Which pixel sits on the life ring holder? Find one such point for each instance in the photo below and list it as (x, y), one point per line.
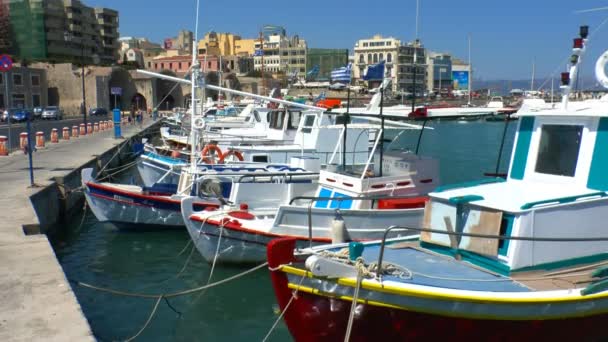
(199, 122)
(600, 70)
(235, 153)
(207, 157)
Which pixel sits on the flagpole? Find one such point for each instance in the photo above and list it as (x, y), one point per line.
(381, 127)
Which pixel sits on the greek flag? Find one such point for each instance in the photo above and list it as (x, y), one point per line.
(375, 72)
(313, 72)
(342, 74)
(258, 53)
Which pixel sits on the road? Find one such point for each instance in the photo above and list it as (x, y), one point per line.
(44, 126)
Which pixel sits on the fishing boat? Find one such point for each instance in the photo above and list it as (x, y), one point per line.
(133, 206)
(518, 259)
(350, 202)
(296, 133)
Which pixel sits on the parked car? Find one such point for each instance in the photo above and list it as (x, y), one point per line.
(98, 112)
(52, 112)
(7, 112)
(37, 112)
(21, 115)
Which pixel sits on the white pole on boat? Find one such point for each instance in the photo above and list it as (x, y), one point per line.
(417, 15)
(194, 76)
(470, 71)
(233, 91)
(533, 74)
(552, 79)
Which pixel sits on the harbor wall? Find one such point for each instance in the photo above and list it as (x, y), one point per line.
(55, 203)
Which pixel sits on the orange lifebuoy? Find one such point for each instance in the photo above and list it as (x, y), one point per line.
(235, 153)
(207, 157)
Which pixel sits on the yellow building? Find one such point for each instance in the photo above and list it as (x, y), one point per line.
(245, 47)
(225, 44)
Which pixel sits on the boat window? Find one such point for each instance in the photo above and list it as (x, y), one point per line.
(558, 149)
(294, 120)
(256, 114)
(276, 119)
(309, 121)
(260, 158)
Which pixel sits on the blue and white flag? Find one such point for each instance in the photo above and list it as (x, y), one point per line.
(258, 53)
(320, 97)
(375, 72)
(342, 74)
(313, 72)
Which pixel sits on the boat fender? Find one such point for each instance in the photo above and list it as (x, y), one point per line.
(323, 267)
(600, 69)
(339, 233)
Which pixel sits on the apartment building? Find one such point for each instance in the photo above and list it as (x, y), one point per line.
(63, 30)
(279, 53)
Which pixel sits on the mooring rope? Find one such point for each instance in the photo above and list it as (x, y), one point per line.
(147, 321)
(361, 271)
(294, 295)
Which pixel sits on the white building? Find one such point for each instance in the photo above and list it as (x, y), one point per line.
(373, 50)
(281, 54)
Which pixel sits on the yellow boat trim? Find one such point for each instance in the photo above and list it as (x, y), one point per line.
(424, 293)
(448, 313)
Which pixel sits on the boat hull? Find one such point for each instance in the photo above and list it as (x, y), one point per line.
(132, 210)
(240, 244)
(319, 312)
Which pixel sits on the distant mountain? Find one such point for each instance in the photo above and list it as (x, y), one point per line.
(503, 87)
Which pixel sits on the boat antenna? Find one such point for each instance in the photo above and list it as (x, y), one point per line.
(578, 50)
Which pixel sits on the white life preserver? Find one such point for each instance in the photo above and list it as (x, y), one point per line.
(600, 70)
(199, 123)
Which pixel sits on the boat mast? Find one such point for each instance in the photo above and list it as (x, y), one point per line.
(533, 74)
(194, 76)
(470, 71)
(415, 58)
(262, 67)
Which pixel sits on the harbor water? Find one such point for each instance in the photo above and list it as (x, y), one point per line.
(157, 262)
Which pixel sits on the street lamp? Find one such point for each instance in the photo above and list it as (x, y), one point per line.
(68, 38)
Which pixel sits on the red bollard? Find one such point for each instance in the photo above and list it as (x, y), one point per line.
(83, 129)
(89, 128)
(23, 141)
(75, 131)
(39, 139)
(54, 136)
(3, 145)
(102, 126)
(66, 133)
(96, 127)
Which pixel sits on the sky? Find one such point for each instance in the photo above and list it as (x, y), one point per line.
(507, 37)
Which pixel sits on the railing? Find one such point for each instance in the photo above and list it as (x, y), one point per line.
(272, 176)
(313, 199)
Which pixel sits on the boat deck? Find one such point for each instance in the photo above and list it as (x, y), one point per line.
(432, 269)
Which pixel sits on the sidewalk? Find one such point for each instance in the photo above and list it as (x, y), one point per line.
(36, 300)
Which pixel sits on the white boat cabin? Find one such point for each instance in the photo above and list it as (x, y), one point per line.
(556, 188)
